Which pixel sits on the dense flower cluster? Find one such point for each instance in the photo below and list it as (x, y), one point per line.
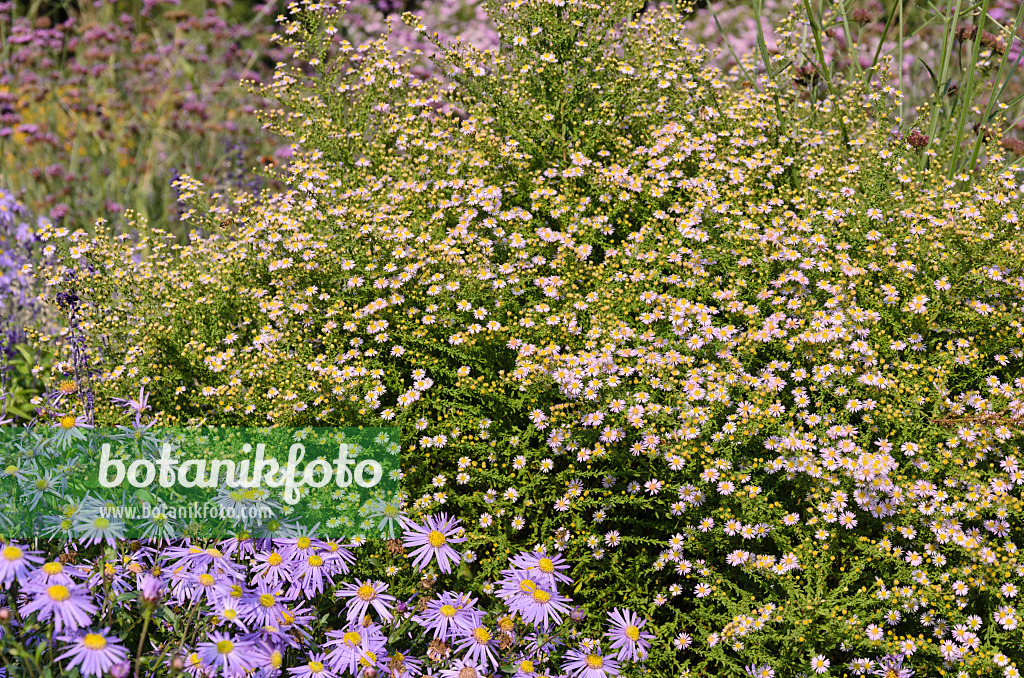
(257, 607)
(743, 362)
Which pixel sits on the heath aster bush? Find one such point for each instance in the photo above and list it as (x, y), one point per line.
(737, 371)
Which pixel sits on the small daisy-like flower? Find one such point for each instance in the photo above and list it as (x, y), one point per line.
(432, 541)
(362, 595)
(627, 635)
(820, 664)
(589, 664)
(231, 654)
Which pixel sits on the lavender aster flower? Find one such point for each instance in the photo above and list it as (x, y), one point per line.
(362, 594)
(479, 645)
(589, 664)
(449, 615)
(313, 668)
(15, 563)
(69, 607)
(233, 655)
(626, 635)
(94, 653)
(891, 666)
(432, 541)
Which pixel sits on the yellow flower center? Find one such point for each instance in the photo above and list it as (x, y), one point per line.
(633, 633)
(303, 543)
(58, 593)
(101, 523)
(94, 641)
(52, 568)
(67, 422)
(447, 611)
(595, 661)
(225, 647)
(315, 561)
(436, 539)
(526, 666)
(276, 659)
(366, 592)
(315, 667)
(352, 638)
(274, 559)
(481, 634)
(206, 579)
(11, 469)
(230, 613)
(369, 660)
(267, 600)
(546, 565)
(527, 586)
(541, 596)
(12, 553)
(67, 387)
(214, 553)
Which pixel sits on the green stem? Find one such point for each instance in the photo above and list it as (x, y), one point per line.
(142, 639)
(947, 51)
(968, 93)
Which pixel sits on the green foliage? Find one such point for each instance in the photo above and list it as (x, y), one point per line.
(23, 382)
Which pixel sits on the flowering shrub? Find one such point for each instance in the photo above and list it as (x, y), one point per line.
(742, 364)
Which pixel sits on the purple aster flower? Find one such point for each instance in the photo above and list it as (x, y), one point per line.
(891, 666)
(449, 615)
(15, 564)
(537, 605)
(589, 664)
(230, 610)
(68, 606)
(525, 668)
(626, 635)
(541, 608)
(264, 607)
(309, 572)
(354, 647)
(546, 570)
(763, 671)
(94, 653)
(313, 668)
(479, 646)
(195, 559)
(208, 586)
(55, 572)
(233, 655)
(362, 595)
(336, 555)
(465, 668)
(432, 541)
(273, 569)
